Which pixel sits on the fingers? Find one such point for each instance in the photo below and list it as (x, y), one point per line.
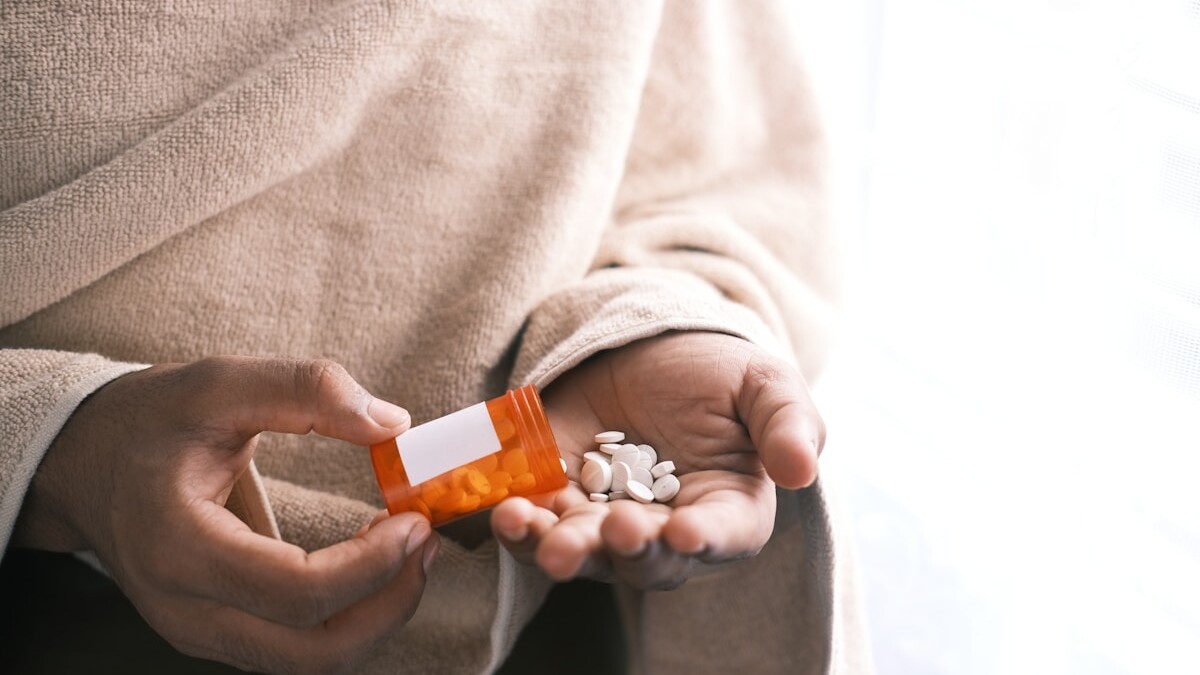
(723, 525)
(283, 584)
(632, 527)
(564, 546)
(597, 541)
(633, 535)
(519, 526)
(782, 421)
(648, 546)
(573, 546)
(331, 646)
(295, 396)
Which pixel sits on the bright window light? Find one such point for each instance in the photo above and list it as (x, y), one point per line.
(1014, 409)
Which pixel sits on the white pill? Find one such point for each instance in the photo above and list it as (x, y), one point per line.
(620, 476)
(644, 461)
(618, 494)
(665, 488)
(563, 463)
(642, 476)
(640, 492)
(596, 457)
(610, 436)
(650, 452)
(628, 454)
(609, 448)
(598, 497)
(596, 476)
(662, 469)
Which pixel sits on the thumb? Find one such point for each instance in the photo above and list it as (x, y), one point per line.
(782, 421)
(299, 396)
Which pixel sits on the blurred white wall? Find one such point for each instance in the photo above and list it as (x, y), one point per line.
(1014, 410)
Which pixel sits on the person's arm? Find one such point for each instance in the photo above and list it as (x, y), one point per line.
(718, 230)
(140, 473)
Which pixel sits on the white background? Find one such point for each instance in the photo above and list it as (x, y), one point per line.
(1014, 408)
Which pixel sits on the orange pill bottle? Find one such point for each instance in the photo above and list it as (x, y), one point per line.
(469, 460)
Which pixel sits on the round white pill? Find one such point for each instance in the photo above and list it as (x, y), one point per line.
(598, 497)
(649, 451)
(596, 476)
(610, 437)
(642, 476)
(620, 476)
(596, 457)
(644, 461)
(640, 492)
(609, 448)
(628, 454)
(665, 488)
(662, 468)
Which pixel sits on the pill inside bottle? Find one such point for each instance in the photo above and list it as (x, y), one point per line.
(471, 459)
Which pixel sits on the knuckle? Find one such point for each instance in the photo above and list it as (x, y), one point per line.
(320, 377)
(762, 373)
(208, 371)
(323, 372)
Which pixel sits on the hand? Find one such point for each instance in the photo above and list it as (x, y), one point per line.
(735, 421)
(140, 474)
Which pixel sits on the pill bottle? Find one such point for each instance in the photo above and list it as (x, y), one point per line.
(469, 460)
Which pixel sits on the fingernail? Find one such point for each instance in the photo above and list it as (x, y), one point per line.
(417, 536)
(431, 550)
(387, 414)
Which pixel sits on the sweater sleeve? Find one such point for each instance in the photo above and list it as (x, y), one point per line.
(39, 389)
(719, 222)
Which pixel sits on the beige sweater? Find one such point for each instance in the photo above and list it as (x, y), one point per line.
(448, 198)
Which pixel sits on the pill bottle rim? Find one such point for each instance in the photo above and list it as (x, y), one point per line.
(533, 425)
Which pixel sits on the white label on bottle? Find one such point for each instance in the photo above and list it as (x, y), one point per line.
(446, 443)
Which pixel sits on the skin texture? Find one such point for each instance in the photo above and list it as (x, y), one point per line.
(140, 475)
(735, 420)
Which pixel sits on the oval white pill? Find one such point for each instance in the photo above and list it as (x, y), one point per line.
(649, 451)
(662, 468)
(596, 476)
(620, 476)
(640, 492)
(596, 457)
(628, 454)
(598, 497)
(610, 437)
(665, 488)
(609, 448)
(642, 476)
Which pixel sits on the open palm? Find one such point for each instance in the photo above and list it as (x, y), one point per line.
(735, 421)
